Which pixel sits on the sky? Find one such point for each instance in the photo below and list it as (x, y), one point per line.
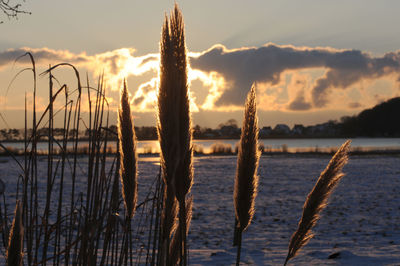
(312, 60)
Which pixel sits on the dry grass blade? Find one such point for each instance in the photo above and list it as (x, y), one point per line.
(174, 125)
(317, 200)
(127, 139)
(246, 181)
(15, 243)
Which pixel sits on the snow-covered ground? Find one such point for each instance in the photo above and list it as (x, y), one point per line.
(362, 221)
(360, 226)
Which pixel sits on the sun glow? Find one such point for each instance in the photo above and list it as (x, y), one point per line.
(145, 98)
(215, 83)
(120, 64)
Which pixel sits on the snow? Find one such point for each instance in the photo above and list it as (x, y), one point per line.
(360, 226)
(361, 222)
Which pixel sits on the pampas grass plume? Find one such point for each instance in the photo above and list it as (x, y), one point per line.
(174, 121)
(317, 200)
(174, 128)
(128, 155)
(246, 181)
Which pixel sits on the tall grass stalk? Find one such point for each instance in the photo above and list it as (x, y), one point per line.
(175, 247)
(128, 159)
(246, 181)
(66, 223)
(174, 131)
(127, 139)
(317, 200)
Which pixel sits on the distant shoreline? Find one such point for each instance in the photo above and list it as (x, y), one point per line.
(225, 138)
(327, 152)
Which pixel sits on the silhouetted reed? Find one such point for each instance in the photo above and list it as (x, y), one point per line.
(174, 129)
(246, 181)
(317, 200)
(63, 223)
(128, 155)
(221, 148)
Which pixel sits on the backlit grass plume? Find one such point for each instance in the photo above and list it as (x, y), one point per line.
(246, 181)
(174, 122)
(15, 242)
(127, 146)
(317, 200)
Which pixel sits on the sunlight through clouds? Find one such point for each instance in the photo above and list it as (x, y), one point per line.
(213, 81)
(145, 98)
(120, 64)
(289, 78)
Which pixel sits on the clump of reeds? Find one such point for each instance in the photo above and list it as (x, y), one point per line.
(80, 213)
(317, 200)
(174, 130)
(246, 181)
(221, 148)
(16, 240)
(128, 155)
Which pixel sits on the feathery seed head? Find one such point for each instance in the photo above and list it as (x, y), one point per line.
(317, 200)
(174, 121)
(128, 155)
(246, 181)
(174, 129)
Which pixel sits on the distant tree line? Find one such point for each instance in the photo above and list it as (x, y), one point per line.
(383, 120)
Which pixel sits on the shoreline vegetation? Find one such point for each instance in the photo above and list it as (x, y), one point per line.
(381, 121)
(216, 149)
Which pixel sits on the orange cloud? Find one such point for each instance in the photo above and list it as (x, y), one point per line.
(289, 78)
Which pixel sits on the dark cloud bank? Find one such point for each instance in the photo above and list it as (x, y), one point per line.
(40, 55)
(50, 56)
(241, 67)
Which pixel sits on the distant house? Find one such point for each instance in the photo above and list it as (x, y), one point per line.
(281, 129)
(327, 129)
(265, 132)
(230, 131)
(298, 130)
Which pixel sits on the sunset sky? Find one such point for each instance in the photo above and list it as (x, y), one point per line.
(313, 60)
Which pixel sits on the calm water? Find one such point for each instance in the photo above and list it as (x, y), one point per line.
(289, 144)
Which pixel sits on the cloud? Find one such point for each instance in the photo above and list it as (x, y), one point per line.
(41, 56)
(241, 67)
(291, 78)
(355, 105)
(121, 63)
(145, 98)
(297, 87)
(299, 103)
(116, 64)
